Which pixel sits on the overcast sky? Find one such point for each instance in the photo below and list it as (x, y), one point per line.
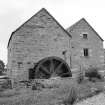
(15, 12)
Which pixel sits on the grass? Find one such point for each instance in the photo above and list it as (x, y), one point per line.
(49, 96)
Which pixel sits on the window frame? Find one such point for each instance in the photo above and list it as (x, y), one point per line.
(86, 52)
(84, 35)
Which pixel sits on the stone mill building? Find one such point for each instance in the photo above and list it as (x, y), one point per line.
(39, 38)
(41, 48)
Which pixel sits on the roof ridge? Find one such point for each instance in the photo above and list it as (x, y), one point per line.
(72, 26)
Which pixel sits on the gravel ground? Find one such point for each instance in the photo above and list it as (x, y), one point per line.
(95, 100)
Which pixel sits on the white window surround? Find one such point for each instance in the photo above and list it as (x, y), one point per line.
(83, 34)
(89, 52)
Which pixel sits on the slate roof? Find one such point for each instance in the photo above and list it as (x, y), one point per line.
(79, 22)
(42, 10)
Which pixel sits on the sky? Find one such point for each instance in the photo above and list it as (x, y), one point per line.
(15, 12)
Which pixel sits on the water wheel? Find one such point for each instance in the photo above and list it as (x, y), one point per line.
(52, 67)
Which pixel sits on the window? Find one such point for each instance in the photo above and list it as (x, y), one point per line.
(85, 36)
(86, 52)
(19, 64)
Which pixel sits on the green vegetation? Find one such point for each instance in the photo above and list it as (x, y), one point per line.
(72, 97)
(93, 74)
(2, 67)
(52, 92)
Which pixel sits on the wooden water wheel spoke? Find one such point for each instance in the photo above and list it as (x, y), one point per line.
(51, 66)
(59, 66)
(45, 69)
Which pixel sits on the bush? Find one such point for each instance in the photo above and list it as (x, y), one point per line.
(72, 97)
(93, 73)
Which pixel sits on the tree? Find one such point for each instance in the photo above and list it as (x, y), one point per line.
(2, 67)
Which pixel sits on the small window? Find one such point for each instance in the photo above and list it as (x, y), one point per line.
(86, 52)
(19, 64)
(85, 36)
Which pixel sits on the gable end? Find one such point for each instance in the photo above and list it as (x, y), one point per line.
(83, 19)
(43, 9)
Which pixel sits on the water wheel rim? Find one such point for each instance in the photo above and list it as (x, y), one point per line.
(51, 73)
